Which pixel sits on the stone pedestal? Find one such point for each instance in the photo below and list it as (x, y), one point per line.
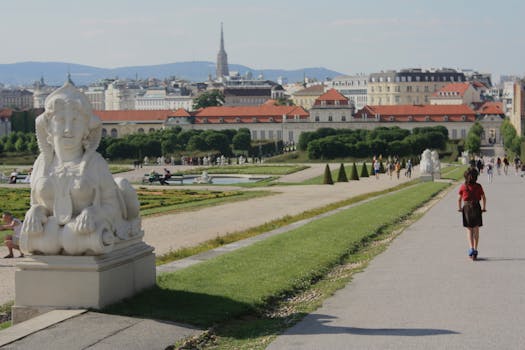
(44, 282)
(426, 177)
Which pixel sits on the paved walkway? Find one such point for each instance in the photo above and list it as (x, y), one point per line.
(424, 292)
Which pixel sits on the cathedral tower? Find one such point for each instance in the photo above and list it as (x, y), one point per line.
(222, 60)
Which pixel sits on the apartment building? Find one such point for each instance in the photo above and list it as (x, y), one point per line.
(409, 86)
(353, 87)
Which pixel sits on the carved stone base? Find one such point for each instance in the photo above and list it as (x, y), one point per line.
(426, 178)
(78, 282)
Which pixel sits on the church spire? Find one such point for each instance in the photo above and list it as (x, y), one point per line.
(222, 59)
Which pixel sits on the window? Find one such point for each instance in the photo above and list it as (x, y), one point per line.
(454, 134)
(316, 118)
(343, 118)
(151, 130)
(221, 120)
(114, 132)
(392, 118)
(237, 120)
(279, 135)
(262, 133)
(330, 118)
(427, 118)
(463, 117)
(104, 132)
(463, 133)
(445, 118)
(254, 120)
(290, 135)
(410, 118)
(254, 134)
(270, 134)
(270, 119)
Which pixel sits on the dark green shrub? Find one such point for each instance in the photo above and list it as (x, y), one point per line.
(353, 173)
(364, 171)
(341, 177)
(327, 180)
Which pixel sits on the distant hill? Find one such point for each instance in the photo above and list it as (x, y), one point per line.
(54, 73)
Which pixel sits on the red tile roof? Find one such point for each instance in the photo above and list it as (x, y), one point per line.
(332, 95)
(250, 111)
(134, 115)
(6, 113)
(181, 112)
(417, 113)
(491, 108)
(452, 90)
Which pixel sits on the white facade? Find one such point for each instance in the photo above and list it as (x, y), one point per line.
(97, 97)
(354, 87)
(158, 99)
(120, 97)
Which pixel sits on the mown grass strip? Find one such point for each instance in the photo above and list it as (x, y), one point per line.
(245, 281)
(269, 226)
(454, 172)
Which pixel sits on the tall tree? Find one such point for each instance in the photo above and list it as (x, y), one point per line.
(209, 99)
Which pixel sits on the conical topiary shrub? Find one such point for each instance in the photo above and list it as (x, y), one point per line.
(364, 171)
(341, 177)
(353, 173)
(381, 167)
(327, 180)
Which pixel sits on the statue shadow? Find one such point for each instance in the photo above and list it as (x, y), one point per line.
(195, 309)
(319, 324)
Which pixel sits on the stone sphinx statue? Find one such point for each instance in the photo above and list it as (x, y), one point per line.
(436, 165)
(77, 208)
(425, 165)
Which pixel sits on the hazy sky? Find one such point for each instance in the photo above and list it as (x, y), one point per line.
(347, 35)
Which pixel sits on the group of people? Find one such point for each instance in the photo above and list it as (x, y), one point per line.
(496, 165)
(392, 166)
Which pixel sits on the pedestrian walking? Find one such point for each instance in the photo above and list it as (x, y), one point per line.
(408, 172)
(470, 195)
(498, 165)
(11, 241)
(490, 170)
(377, 167)
(505, 165)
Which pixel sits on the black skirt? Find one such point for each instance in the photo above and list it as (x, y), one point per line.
(472, 214)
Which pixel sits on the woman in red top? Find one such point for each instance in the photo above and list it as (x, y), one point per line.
(470, 193)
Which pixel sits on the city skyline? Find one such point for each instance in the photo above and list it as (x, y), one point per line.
(349, 37)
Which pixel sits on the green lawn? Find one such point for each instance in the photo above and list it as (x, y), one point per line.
(454, 172)
(245, 281)
(152, 201)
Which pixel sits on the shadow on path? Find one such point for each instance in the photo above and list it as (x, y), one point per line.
(319, 327)
(488, 259)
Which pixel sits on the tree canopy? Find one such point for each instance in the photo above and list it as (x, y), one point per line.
(209, 99)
